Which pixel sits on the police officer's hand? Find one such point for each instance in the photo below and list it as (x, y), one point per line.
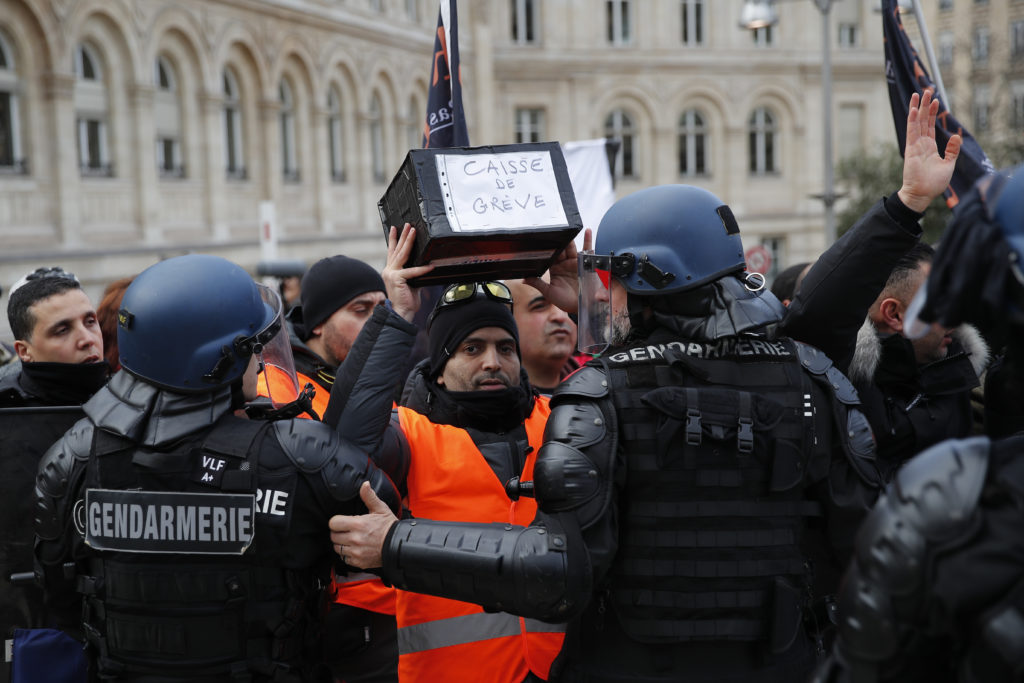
(405, 300)
(563, 289)
(925, 173)
(359, 539)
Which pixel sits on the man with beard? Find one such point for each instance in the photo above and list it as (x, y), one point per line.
(679, 476)
(547, 337)
(468, 429)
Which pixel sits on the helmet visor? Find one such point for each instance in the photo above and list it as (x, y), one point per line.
(271, 345)
(595, 311)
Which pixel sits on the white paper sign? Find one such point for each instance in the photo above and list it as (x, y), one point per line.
(506, 191)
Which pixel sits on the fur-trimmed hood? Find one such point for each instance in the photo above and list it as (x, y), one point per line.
(868, 353)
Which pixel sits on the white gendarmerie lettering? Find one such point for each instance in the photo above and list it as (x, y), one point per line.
(140, 521)
(729, 346)
(215, 523)
(270, 502)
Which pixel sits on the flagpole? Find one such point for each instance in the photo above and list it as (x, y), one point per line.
(930, 53)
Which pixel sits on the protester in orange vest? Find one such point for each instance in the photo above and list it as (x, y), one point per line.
(466, 433)
(338, 296)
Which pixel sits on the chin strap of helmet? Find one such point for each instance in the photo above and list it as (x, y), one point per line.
(303, 403)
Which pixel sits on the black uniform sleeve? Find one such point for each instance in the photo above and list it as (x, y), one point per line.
(937, 582)
(58, 483)
(545, 571)
(842, 284)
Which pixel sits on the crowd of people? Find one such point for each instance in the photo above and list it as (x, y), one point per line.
(733, 485)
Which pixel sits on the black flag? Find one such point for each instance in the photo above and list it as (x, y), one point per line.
(446, 121)
(906, 75)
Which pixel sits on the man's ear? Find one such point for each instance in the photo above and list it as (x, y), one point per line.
(21, 348)
(317, 331)
(440, 381)
(891, 312)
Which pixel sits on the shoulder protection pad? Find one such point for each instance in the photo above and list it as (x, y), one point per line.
(55, 465)
(811, 358)
(940, 487)
(316, 448)
(307, 443)
(818, 364)
(574, 467)
(932, 503)
(588, 381)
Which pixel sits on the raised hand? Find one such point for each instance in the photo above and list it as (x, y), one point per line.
(405, 300)
(925, 173)
(563, 289)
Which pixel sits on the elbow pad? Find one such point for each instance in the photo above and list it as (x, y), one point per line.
(522, 570)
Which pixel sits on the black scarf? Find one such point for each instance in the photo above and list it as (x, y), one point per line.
(63, 383)
(486, 411)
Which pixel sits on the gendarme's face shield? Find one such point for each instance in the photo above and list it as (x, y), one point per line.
(272, 347)
(595, 310)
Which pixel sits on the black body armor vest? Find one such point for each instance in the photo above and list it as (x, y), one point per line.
(188, 580)
(717, 439)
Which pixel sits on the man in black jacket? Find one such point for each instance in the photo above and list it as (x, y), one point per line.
(195, 537)
(853, 302)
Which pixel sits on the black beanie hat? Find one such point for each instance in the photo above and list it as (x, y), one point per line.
(450, 324)
(330, 284)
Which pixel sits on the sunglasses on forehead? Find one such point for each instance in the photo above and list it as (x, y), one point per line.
(467, 290)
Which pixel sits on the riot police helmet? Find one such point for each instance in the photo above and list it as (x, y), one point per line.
(191, 323)
(669, 239)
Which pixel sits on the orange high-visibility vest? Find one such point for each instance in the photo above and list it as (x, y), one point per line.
(450, 480)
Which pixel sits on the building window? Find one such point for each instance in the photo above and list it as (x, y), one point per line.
(1017, 105)
(414, 124)
(851, 122)
(982, 108)
(1017, 40)
(286, 118)
(335, 139)
(619, 125)
(234, 160)
(693, 22)
(529, 125)
(979, 48)
(167, 115)
(91, 113)
(762, 140)
(11, 159)
(412, 10)
(849, 34)
(945, 5)
(524, 22)
(620, 28)
(776, 247)
(377, 5)
(763, 37)
(946, 42)
(693, 137)
(376, 130)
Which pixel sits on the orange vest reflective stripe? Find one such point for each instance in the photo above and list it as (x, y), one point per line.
(450, 480)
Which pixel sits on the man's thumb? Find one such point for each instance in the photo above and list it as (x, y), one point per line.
(369, 496)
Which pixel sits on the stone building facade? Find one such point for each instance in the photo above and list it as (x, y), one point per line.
(134, 130)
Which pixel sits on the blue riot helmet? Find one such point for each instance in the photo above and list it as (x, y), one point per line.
(192, 323)
(977, 275)
(662, 240)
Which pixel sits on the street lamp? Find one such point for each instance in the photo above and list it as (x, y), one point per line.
(761, 14)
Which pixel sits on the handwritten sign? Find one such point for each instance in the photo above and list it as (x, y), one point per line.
(504, 191)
